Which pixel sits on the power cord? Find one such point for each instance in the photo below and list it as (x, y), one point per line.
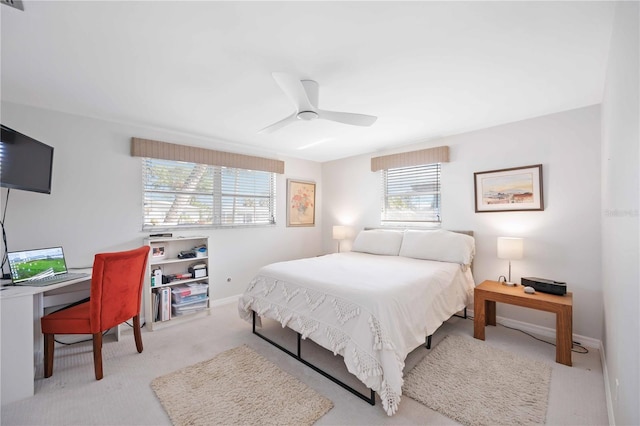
(71, 305)
(79, 302)
(582, 349)
(90, 339)
(5, 257)
(67, 307)
(131, 325)
(79, 341)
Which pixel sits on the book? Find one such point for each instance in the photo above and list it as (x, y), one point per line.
(156, 304)
(165, 304)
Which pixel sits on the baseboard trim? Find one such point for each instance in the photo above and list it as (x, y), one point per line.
(546, 332)
(225, 301)
(607, 389)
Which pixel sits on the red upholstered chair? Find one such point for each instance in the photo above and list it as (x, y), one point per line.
(116, 292)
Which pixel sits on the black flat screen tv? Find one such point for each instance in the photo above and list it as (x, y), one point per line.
(25, 163)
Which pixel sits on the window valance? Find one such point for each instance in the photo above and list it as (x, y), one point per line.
(438, 154)
(168, 151)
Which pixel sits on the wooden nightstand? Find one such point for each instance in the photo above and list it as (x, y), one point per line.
(489, 292)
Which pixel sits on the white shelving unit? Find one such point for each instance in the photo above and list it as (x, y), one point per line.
(164, 255)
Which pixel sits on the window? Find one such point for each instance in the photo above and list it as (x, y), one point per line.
(180, 194)
(411, 194)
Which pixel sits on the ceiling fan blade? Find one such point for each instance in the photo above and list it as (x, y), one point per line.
(347, 117)
(294, 89)
(279, 124)
(311, 89)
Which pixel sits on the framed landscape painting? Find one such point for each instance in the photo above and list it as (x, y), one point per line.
(515, 189)
(301, 203)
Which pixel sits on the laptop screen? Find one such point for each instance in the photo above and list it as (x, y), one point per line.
(33, 264)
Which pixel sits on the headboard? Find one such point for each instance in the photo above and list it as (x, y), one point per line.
(368, 228)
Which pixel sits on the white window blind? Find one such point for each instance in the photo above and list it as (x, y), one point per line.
(411, 194)
(179, 194)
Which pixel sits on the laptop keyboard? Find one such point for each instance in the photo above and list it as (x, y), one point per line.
(54, 279)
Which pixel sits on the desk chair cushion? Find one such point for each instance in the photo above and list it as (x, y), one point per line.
(74, 320)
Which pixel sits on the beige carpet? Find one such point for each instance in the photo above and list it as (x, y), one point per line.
(238, 387)
(472, 383)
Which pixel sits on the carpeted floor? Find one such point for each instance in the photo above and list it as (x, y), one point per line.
(238, 387)
(477, 385)
(72, 396)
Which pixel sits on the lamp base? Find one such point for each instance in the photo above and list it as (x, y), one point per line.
(509, 283)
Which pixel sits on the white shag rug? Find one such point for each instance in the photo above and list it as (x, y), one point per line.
(238, 386)
(474, 384)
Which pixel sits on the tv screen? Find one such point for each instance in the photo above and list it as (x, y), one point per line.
(25, 163)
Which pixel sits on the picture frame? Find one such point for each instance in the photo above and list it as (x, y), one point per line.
(301, 203)
(157, 251)
(508, 190)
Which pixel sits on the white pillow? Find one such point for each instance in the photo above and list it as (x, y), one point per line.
(378, 241)
(440, 245)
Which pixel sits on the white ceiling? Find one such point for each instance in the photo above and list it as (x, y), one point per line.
(426, 69)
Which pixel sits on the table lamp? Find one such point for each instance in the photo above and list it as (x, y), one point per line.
(510, 248)
(339, 233)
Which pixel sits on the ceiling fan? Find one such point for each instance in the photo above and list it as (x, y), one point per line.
(304, 95)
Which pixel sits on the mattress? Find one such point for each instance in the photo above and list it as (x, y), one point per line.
(371, 309)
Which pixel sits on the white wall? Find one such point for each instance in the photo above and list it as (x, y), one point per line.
(96, 200)
(620, 230)
(561, 243)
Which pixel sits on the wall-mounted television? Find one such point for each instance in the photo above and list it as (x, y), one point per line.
(25, 163)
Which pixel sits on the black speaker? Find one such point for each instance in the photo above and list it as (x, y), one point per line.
(545, 286)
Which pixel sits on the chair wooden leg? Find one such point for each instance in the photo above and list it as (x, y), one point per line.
(48, 355)
(137, 333)
(97, 355)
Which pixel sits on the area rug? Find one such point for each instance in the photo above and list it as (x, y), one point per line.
(238, 387)
(474, 384)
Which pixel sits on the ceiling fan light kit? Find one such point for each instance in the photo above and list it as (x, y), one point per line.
(304, 96)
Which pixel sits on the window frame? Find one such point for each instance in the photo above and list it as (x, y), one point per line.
(415, 175)
(216, 210)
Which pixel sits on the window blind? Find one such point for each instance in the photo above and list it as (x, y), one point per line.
(181, 194)
(411, 194)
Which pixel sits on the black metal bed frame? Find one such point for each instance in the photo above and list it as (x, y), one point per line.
(298, 355)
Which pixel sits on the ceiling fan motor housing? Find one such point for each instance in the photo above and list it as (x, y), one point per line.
(307, 115)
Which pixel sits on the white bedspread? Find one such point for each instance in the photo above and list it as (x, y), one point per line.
(373, 310)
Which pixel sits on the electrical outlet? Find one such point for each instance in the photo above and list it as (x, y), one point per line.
(617, 390)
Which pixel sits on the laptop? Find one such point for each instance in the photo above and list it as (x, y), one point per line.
(40, 267)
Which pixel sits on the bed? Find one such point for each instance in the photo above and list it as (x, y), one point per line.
(373, 305)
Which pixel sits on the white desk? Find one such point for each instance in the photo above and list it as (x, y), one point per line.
(21, 340)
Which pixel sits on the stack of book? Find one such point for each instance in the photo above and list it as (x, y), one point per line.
(162, 304)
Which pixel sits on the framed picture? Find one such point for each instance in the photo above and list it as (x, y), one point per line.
(507, 190)
(301, 203)
(157, 251)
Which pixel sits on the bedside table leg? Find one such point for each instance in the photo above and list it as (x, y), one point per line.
(564, 335)
(490, 308)
(479, 319)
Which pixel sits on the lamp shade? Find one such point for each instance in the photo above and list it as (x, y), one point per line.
(510, 248)
(339, 232)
